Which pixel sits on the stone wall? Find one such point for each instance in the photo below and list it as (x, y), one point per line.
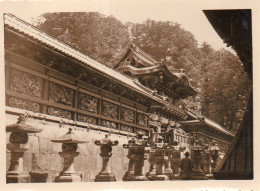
(88, 163)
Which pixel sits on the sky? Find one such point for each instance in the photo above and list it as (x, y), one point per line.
(185, 12)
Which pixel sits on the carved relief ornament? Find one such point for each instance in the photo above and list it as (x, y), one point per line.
(60, 94)
(26, 84)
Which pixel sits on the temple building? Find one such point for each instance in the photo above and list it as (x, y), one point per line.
(207, 130)
(58, 87)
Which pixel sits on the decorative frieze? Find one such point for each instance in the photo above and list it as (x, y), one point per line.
(127, 128)
(26, 84)
(24, 104)
(110, 110)
(88, 103)
(109, 124)
(142, 119)
(127, 115)
(59, 112)
(87, 119)
(60, 94)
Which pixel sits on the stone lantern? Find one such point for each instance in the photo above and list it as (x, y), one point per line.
(17, 146)
(105, 175)
(69, 152)
(151, 173)
(167, 161)
(131, 156)
(159, 149)
(214, 154)
(196, 154)
(207, 162)
(139, 155)
(175, 157)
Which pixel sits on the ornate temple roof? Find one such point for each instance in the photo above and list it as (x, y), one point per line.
(200, 119)
(176, 77)
(139, 55)
(161, 77)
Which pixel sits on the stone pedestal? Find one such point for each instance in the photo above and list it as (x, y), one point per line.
(68, 173)
(105, 175)
(151, 174)
(197, 172)
(131, 156)
(207, 164)
(18, 145)
(175, 165)
(69, 152)
(214, 154)
(167, 162)
(16, 173)
(159, 149)
(138, 155)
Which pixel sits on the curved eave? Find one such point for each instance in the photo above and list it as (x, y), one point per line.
(172, 110)
(142, 59)
(209, 123)
(138, 55)
(176, 76)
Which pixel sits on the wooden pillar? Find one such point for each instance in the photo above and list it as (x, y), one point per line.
(76, 101)
(45, 91)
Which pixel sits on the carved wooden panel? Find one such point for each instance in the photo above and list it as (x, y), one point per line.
(127, 115)
(110, 110)
(109, 124)
(87, 119)
(142, 119)
(59, 112)
(26, 84)
(60, 94)
(24, 104)
(127, 128)
(88, 103)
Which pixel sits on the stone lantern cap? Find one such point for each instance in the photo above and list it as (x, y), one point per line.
(154, 116)
(106, 142)
(164, 121)
(172, 123)
(197, 146)
(69, 137)
(21, 126)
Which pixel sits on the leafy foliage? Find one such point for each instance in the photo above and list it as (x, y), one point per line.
(103, 38)
(218, 74)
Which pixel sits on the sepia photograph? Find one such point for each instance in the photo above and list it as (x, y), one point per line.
(158, 92)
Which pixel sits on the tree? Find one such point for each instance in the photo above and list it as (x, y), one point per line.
(103, 38)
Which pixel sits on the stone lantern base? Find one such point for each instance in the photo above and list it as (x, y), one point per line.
(105, 177)
(129, 176)
(198, 174)
(175, 177)
(150, 175)
(68, 177)
(209, 176)
(161, 177)
(140, 178)
(18, 177)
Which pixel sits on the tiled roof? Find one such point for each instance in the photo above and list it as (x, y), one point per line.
(87, 61)
(143, 56)
(199, 118)
(174, 74)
